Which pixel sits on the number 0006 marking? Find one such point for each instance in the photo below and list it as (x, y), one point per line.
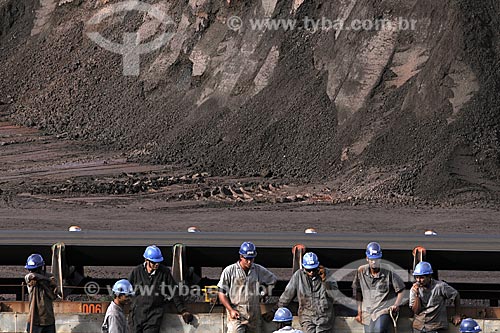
(92, 308)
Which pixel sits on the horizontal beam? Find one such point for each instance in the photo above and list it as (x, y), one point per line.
(262, 239)
(217, 249)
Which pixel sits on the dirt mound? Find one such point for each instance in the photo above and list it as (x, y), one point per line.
(389, 112)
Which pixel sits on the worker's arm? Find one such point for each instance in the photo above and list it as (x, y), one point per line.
(331, 286)
(177, 298)
(47, 283)
(132, 279)
(114, 325)
(457, 318)
(358, 295)
(399, 287)
(448, 292)
(266, 277)
(290, 291)
(224, 286)
(359, 302)
(224, 300)
(37, 277)
(397, 303)
(415, 303)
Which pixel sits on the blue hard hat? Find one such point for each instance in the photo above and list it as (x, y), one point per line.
(34, 261)
(123, 287)
(469, 325)
(248, 250)
(310, 261)
(373, 251)
(422, 268)
(153, 254)
(283, 315)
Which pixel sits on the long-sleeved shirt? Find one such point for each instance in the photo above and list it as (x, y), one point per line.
(433, 305)
(152, 291)
(43, 289)
(114, 320)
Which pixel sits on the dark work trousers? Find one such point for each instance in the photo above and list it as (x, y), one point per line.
(41, 329)
(147, 323)
(383, 324)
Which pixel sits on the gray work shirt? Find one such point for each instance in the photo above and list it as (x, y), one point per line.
(114, 320)
(379, 292)
(242, 289)
(433, 301)
(316, 298)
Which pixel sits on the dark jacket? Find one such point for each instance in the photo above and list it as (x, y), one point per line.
(43, 289)
(152, 292)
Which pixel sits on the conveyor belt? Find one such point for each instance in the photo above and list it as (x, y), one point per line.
(217, 249)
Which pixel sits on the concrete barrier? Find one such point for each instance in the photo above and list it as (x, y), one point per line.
(13, 322)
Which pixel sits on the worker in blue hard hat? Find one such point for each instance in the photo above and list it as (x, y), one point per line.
(428, 301)
(240, 287)
(115, 320)
(154, 286)
(42, 288)
(283, 319)
(378, 290)
(315, 288)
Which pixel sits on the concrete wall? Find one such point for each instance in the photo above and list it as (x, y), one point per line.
(12, 322)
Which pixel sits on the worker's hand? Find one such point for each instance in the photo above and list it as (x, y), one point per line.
(359, 317)
(268, 316)
(233, 314)
(414, 288)
(187, 317)
(53, 282)
(456, 319)
(322, 273)
(394, 308)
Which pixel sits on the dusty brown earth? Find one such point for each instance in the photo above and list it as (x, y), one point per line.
(50, 182)
(411, 114)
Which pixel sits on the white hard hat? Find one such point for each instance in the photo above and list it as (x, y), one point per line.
(310, 231)
(193, 229)
(74, 228)
(430, 232)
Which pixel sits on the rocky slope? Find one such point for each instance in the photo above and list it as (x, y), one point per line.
(387, 112)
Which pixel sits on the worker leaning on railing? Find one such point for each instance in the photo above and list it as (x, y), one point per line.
(42, 288)
(428, 301)
(147, 309)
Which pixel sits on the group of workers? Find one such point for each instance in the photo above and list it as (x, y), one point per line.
(377, 288)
